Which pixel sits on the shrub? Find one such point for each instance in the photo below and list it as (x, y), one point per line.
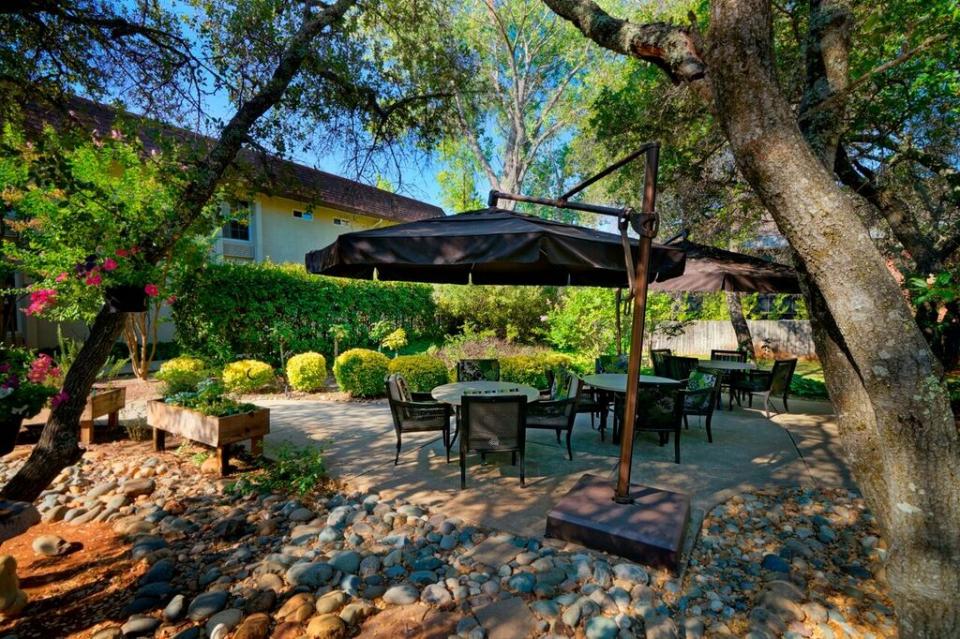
(181, 374)
(256, 310)
(307, 372)
(532, 369)
(247, 375)
(514, 313)
(423, 373)
(808, 387)
(299, 471)
(361, 372)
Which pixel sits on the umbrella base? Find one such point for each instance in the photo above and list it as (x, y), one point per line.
(650, 530)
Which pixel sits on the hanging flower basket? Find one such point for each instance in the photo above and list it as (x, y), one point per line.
(126, 299)
(9, 429)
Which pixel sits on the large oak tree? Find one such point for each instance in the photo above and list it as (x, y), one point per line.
(894, 417)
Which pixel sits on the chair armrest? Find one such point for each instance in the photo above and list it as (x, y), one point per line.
(423, 397)
(424, 409)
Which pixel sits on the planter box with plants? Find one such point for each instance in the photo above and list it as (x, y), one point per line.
(208, 417)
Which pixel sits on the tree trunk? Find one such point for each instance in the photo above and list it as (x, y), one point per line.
(58, 447)
(740, 326)
(893, 410)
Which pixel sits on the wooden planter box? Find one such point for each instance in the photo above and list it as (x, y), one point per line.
(218, 432)
(102, 401)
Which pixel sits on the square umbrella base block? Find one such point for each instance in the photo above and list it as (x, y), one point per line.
(649, 530)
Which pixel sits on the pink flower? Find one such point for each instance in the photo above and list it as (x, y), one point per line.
(109, 264)
(122, 252)
(62, 277)
(151, 290)
(59, 398)
(171, 300)
(41, 368)
(40, 300)
(134, 250)
(94, 279)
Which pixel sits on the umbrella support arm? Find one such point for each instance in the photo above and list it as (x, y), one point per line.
(646, 224)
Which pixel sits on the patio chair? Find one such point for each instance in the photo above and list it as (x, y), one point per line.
(659, 410)
(772, 383)
(478, 370)
(727, 377)
(680, 368)
(416, 416)
(559, 412)
(700, 398)
(659, 356)
(492, 424)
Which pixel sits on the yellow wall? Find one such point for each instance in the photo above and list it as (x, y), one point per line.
(285, 238)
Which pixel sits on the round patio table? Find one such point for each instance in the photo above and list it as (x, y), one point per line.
(453, 393)
(617, 383)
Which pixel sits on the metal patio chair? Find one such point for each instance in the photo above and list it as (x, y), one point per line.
(478, 370)
(416, 416)
(700, 398)
(659, 410)
(560, 411)
(492, 424)
(772, 383)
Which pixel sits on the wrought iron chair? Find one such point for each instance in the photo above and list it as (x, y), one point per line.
(728, 377)
(595, 401)
(416, 416)
(560, 411)
(659, 410)
(478, 370)
(772, 383)
(680, 368)
(493, 424)
(700, 398)
(659, 358)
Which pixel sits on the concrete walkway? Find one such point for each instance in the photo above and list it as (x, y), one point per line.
(748, 452)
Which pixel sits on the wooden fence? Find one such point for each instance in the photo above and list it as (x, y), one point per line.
(779, 338)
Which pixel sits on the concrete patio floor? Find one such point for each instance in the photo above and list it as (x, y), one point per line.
(748, 452)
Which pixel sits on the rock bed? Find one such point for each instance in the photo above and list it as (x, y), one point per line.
(793, 564)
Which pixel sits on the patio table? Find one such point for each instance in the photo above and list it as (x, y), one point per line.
(724, 368)
(453, 393)
(617, 383)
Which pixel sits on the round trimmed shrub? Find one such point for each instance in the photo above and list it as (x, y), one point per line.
(247, 376)
(361, 372)
(422, 372)
(181, 374)
(307, 372)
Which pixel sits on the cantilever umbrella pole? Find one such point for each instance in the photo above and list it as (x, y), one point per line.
(647, 228)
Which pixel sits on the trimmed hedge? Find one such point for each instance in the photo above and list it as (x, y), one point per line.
(532, 369)
(422, 372)
(247, 376)
(228, 310)
(181, 374)
(361, 372)
(307, 372)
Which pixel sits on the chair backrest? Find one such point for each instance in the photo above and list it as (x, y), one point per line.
(781, 375)
(718, 354)
(478, 370)
(698, 401)
(659, 358)
(493, 422)
(560, 388)
(659, 407)
(611, 364)
(397, 389)
(680, 367)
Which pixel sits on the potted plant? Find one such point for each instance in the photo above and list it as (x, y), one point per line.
(207, 415)
(26, 383)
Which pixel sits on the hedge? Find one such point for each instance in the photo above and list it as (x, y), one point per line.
(229, 310)
(361, 372)
(532, 369)
(422, 373)
(307, 372)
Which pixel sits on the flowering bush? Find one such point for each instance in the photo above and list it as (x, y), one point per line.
(26, 383)
(361, 372)
(247, 376)
(307, 372)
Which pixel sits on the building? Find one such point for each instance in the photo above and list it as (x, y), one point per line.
(293, 209)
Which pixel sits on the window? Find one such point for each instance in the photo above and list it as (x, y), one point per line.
(303, 215)
(340, 222)
(238, 228)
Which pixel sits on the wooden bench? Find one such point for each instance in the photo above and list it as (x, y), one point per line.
(218, 432)
(102, 401)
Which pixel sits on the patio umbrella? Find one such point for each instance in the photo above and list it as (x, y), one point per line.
(489, 246)
(710, 269)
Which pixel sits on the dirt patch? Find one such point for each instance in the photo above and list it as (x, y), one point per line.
(69, 595)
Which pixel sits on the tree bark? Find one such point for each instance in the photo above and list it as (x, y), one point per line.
(739, 322)
(914, 491)
(58, 442)
(58, 447)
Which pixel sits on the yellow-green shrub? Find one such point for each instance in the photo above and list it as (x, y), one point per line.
(532, 369)
(247, 375)
(361, 372)
(307, 372)
(422, 373)
(181, 374)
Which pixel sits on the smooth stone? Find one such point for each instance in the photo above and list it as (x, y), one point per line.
(347, 561)
(261, 601)
(160, 571)
(309, 574)
(354, 613)
(436, 595)
(193, 632)
(206, 605)
(601, 628)
(631, 573)
(401, 595)
(775, 563)
(230, 618)
(256, 626)
(331, 602)
(135, 487)
(523, 582)
(175, 608)
(301, 514)
(50, 545)
(139, 626)
(326, 627)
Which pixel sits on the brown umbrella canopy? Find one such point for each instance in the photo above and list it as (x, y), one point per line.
(710, 269)
(489, 246)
